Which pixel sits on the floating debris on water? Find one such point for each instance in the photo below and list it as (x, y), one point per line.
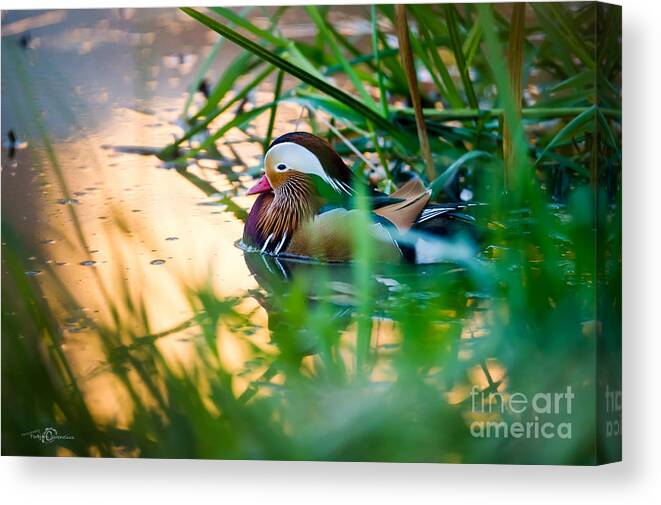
(204, 87)
(181, 62)
(77, 322)
(478, 295)
(215, 203)
(88, 263)
(68, 201)
(171, 238)
(33, 273)
(157, 262)
(13, 143)
(25, 41)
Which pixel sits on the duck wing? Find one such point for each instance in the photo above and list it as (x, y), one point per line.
(413, 198)
(329, 237)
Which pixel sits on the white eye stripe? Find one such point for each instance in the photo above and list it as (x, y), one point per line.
(296, 157)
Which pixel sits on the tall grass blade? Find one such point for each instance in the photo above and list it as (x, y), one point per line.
(299, 73)
(551, 20)
(241, 21)
(453, 28)
(238, 121)
(205, 65)
(572, 127)
(427, 32)
(170, 152)
(442, 181)
(383, 94)
(336, 109)
(472, 43)
(328, 36)
(274, 109)
(234, 71)
(515, 68)
(494, 56)
(406, 54)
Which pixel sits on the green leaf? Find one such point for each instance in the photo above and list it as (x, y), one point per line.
(238, 121)
(204, 66)
(427, 32)
(383, 94)
(329, 105)
(294, 55)
(234, 71)
(472, 43)
(453, 28)
(609, 134)
(303, 75)
(274, 109)
(314, 14)
(169, 152)
(561, 37)
(568, 129)
(240, 20)
(449, 174)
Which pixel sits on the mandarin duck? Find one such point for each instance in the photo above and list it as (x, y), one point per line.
(304, 209)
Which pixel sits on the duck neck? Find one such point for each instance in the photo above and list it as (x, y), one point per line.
(293, 204)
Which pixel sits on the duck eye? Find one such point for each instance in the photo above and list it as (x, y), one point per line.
(282, 166)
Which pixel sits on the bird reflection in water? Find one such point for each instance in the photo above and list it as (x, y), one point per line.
(311, 305)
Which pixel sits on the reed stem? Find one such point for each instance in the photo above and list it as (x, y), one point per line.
(515, 69)
(406, 55)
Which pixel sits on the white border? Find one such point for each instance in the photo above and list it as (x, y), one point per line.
(75, 481)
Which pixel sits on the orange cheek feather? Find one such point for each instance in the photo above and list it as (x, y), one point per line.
(277, 178)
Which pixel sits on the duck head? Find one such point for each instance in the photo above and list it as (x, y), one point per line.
(302, 157)
(301, 173)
